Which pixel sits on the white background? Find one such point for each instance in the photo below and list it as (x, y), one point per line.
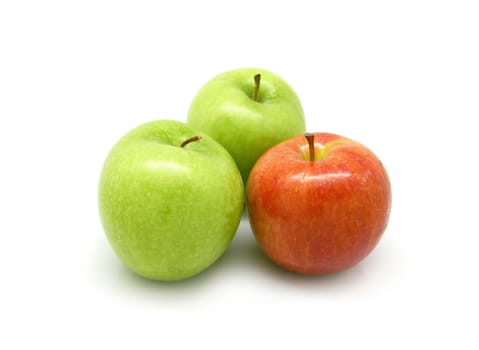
(401, 77)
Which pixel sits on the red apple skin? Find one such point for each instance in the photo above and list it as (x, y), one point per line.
(322, 216)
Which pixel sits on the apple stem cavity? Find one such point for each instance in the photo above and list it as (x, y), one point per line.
(191, 139)
(257, 81)
(310, 138)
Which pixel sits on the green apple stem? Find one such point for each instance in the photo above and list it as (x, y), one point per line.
(191, 139)
(310, 138)
(257, 81)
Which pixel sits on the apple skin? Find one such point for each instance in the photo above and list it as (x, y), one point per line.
(322, 216)
(169, 212)
(224, 109)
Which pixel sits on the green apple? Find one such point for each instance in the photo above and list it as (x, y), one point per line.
(247, 111)
(170, 200)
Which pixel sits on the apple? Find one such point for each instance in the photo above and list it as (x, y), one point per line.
(247, 111)
(170, 200)
(318, 203)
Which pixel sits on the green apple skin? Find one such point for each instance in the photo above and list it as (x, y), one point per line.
(224, 109)
(169, 212)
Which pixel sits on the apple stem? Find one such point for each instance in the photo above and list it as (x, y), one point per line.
(191, 139)
(257, 80)
(310, 138)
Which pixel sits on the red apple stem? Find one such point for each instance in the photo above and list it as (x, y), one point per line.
(257, 81)
(191, 139)
(310, 138)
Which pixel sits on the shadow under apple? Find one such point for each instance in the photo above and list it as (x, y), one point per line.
(246, 256)
(243, 257)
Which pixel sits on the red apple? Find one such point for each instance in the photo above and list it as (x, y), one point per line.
(318, 203)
